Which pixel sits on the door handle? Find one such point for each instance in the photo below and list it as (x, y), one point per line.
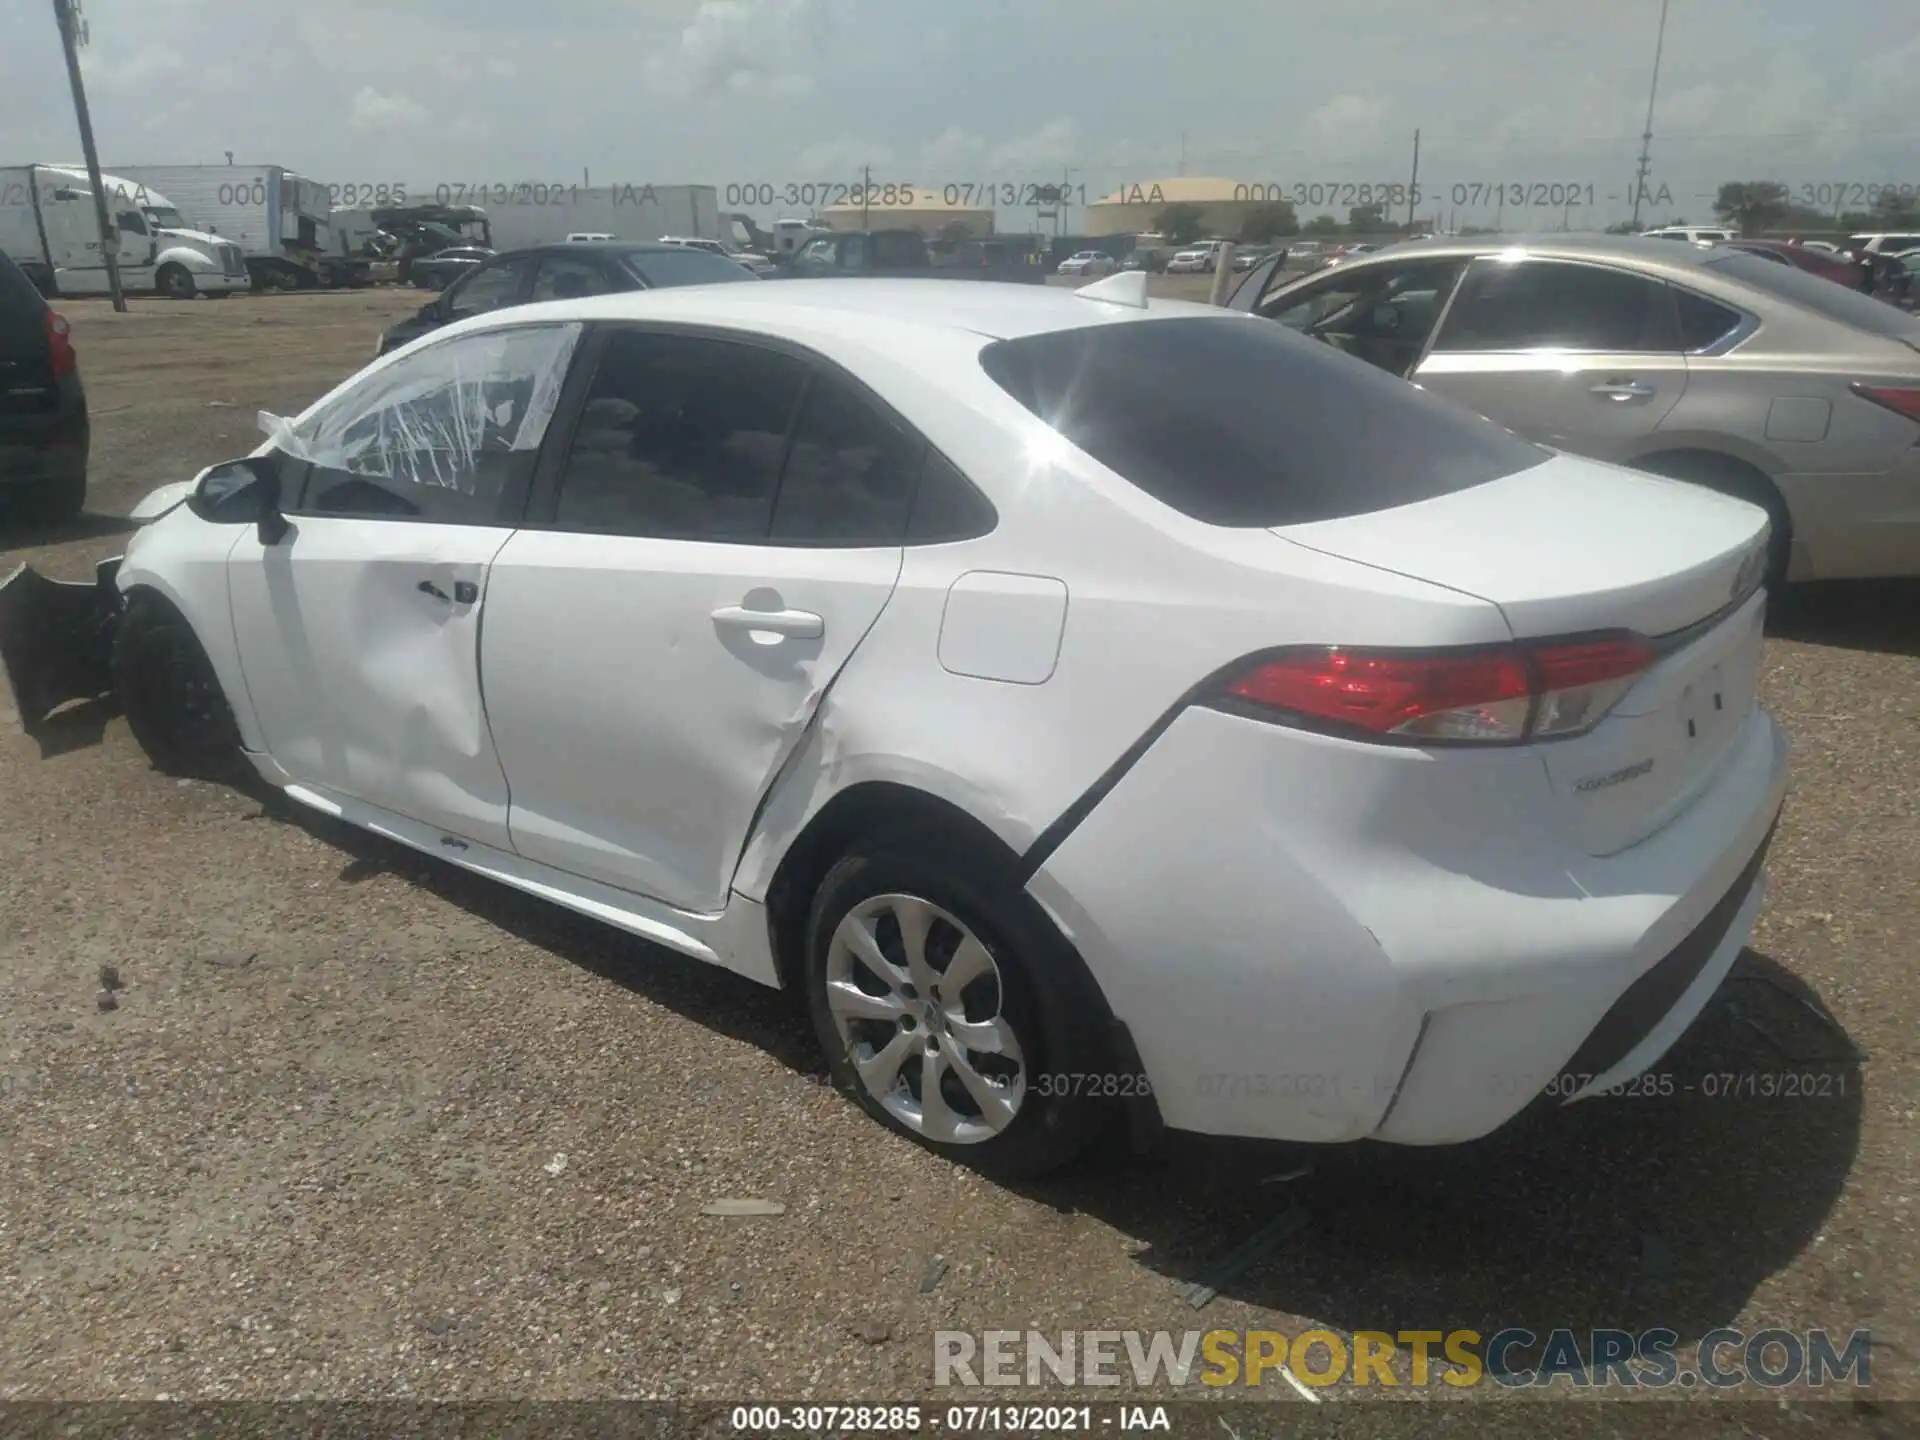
(800, 624)
(1621, 391)
(465, 592)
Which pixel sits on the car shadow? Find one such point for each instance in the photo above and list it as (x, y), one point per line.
(1635, 1212)
(19, 531)
(1881, 615)
(712, 997)
(1663, 1210)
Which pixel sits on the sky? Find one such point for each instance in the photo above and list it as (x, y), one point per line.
(996, 92)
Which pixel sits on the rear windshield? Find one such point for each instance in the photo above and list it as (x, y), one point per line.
(18, 298)
(1813, 292)
(1239, 422)
(661, 268)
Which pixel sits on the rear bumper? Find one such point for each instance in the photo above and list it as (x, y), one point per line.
(1388, 946)
(46, 445)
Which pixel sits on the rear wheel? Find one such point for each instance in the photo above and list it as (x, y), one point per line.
(171, 695)
(1742, 481)
(951, 1011)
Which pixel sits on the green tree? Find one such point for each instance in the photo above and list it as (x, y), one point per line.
(1323, 225)
(1751, 206)
(1621, 227)
(1367, 219)
(1269, 221)
(1896, 211)
(1179, 223)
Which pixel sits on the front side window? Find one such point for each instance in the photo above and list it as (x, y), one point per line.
(487, 288)
(680, 437)
(1555, 305)
(445, 434)
(1382, 314)
(130, 221)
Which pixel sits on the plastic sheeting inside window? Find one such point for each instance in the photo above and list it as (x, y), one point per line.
(448, 417)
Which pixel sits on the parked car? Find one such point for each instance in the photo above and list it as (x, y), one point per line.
(1828, 263)
(587, 236)
(1696, 234)
(1704, 363)
(1249, 256)
(1197, 259)
(44, 434)
(440, 269)
(758, 264)
(1088, 262)
(561, 272)
(1305, 255)
(1883, 242)
(770, 590)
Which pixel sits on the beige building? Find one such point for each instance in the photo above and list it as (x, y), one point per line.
(1130, 210)
(923, 209)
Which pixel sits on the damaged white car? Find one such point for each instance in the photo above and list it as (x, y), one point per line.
(1098, 710)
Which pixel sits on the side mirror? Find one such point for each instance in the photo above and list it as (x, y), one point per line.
(240, 492)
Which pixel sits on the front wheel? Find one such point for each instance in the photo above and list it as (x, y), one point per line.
(175, 282)
(951, 1011)
(171, 695)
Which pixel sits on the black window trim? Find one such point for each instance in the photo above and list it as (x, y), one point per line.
(542, 505)
(1744, 328)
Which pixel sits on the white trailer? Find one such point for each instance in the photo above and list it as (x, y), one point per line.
(48, 226)
(280, 220)
(539, 214)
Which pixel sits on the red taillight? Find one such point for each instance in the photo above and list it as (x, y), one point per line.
(60, 342)
(1506, 694)
(1901, 399)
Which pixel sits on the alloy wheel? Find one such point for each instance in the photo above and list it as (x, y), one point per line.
(919, 1005)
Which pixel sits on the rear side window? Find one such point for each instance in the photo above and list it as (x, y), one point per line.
(1238, 422)
(681, 437)
(1554, 305)
(850, 473)
(1704, 322)
(659, 269)
(1813, 292)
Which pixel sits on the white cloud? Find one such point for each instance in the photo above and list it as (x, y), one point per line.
(742, 47)
(1053, 146)
(374, 112)
(833, 159)
(1351, 123)
(951, 152)
(124, 69)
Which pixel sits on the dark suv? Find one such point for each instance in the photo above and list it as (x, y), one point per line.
(43, 408)
(563, 272)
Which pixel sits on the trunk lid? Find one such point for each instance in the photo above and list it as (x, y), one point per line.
(1574, 546)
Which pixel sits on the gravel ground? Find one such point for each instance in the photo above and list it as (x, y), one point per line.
(363, 1126)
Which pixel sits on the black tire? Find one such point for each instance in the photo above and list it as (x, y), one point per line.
(174, 282)
(1040, 989)
(1742, 481)
(171, 695)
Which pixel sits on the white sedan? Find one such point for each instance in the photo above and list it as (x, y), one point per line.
(1096, 708)
(1088, 262)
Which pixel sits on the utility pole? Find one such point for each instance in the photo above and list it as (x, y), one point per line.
(1413, 185)
(72, 36)
(1646, 135)
(1183, 152)
(866, 184)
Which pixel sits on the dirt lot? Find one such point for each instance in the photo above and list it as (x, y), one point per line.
(362, 1125)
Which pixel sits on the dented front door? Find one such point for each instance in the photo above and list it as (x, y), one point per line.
(359, 639)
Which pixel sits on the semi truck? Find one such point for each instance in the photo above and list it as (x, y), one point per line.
(280, 220)
(48, 227)
(528, 214)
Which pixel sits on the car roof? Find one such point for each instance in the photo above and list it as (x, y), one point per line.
(1641, 251)
(797, 308)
